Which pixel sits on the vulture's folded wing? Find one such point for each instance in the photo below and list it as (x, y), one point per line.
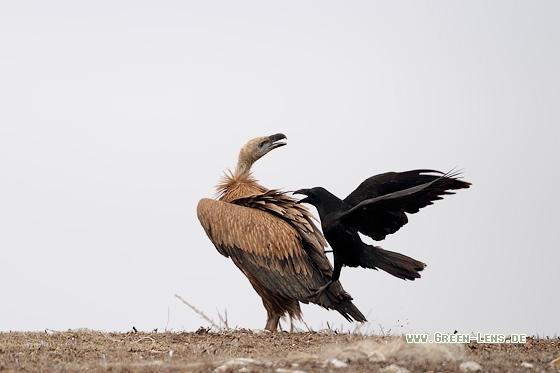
(283, 206)
(264, 247)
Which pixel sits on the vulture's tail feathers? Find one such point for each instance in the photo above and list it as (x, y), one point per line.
(350, 311)
(396, 264)
(336, 298)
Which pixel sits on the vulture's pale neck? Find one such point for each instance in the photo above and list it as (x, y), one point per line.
(243, 168)
(241, 183)
(247, 156)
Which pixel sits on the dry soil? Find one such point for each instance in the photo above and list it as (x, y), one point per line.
(258, 351)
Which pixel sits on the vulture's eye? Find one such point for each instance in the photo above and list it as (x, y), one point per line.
(262, 144)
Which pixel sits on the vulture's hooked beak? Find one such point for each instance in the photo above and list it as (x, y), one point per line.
(277, 137)
(304, 192)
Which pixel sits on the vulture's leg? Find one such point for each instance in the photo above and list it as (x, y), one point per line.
(272, 322)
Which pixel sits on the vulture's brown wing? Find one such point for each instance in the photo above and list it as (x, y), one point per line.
(283, 206)
(271, 251)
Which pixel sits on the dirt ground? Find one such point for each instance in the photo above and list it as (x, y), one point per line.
(252, 351)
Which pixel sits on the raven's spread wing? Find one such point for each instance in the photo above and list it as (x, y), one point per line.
(390, 182)
(381, 202)
(271, 252)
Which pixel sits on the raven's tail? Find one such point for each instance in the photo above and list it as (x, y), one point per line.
(396, 264)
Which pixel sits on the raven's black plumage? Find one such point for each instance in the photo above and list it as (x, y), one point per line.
(378, 207)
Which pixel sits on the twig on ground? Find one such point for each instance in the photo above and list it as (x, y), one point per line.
(309, 329)
(223, 320)
(150, 338)
(359, 325)
(106, 335)
(167, 324)
(198, 311)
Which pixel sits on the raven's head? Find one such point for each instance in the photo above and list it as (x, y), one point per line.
(313, 196)
(324, 201)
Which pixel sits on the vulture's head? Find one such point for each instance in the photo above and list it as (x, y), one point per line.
(258, 147)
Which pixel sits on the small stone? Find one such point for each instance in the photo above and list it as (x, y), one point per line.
(526, 365)
(351, 354)
(376, 357)
(337, 363)
(470, 366)
(394, 368)
(240, 362)
(260, 331)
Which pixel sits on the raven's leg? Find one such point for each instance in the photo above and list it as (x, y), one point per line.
(322, 288)
(337, 268)
(335, 276)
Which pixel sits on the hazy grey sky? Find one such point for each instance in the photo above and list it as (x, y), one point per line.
(117, 117)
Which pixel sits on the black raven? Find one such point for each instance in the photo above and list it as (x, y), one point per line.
(376, 208)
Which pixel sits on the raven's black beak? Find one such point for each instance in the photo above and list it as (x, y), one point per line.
(304, 192)
(275, 138)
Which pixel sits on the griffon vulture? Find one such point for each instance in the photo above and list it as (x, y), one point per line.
(273, 240)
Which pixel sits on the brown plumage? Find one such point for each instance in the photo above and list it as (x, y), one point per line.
(272, 240)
